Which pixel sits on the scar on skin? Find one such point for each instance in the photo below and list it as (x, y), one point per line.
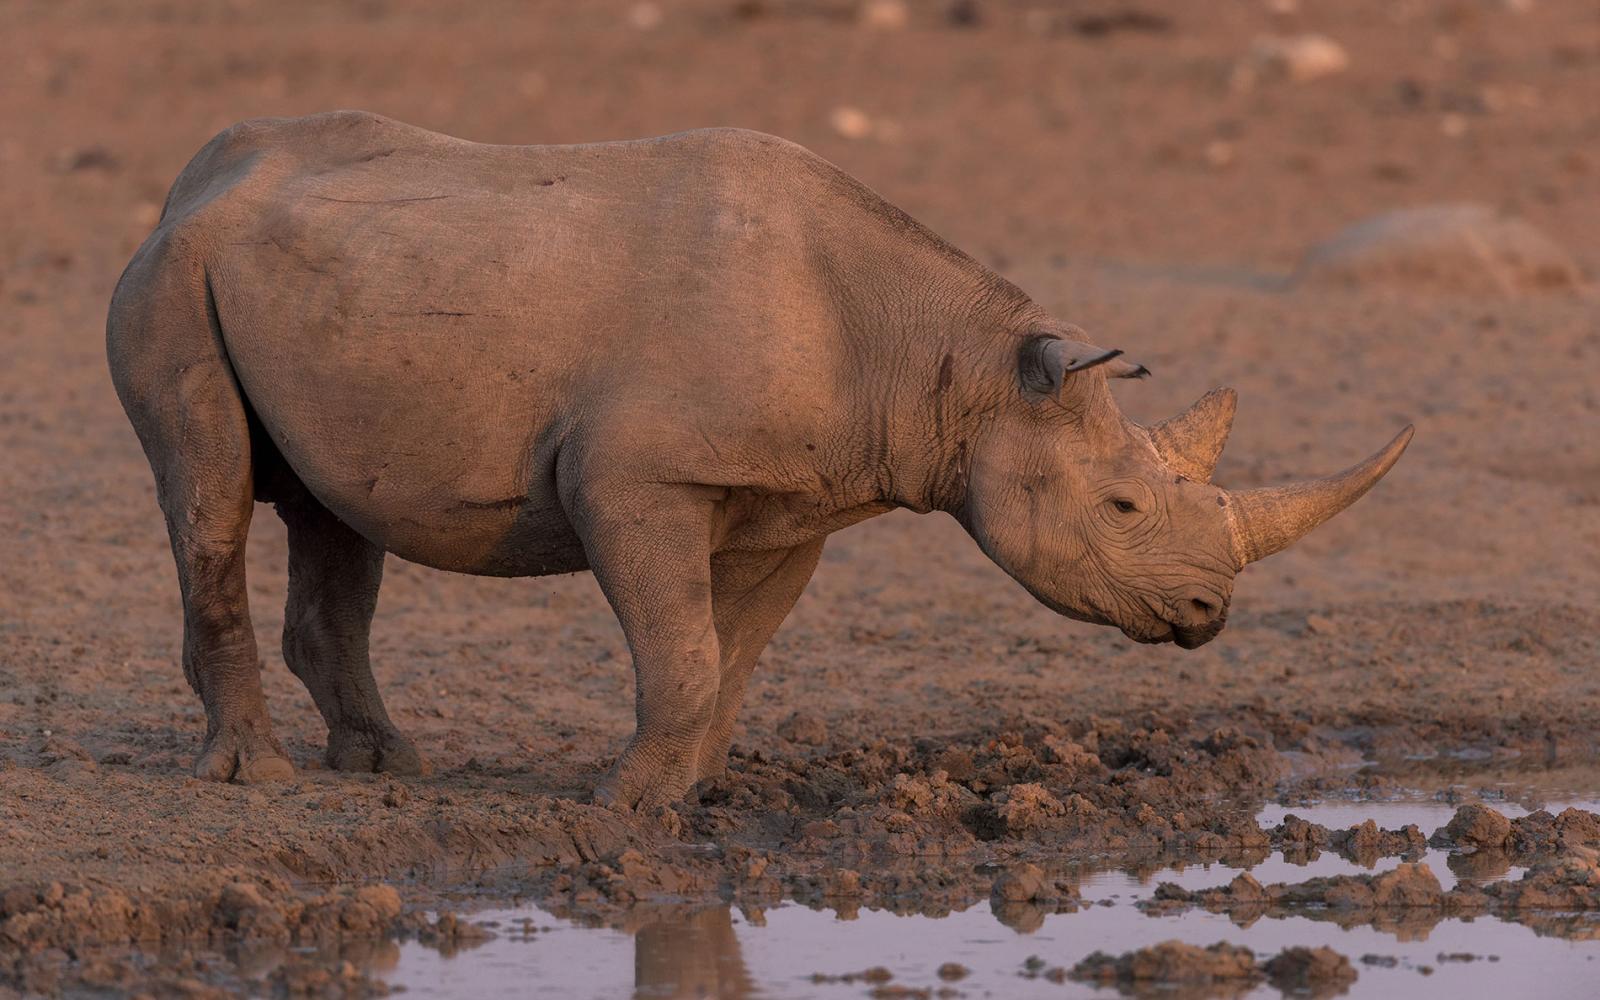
(379, 201)
(505, 504)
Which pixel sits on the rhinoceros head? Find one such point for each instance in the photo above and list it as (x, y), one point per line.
(1110, 522)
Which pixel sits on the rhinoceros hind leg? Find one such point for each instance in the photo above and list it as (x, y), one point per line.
(334, 575)
(178, 389)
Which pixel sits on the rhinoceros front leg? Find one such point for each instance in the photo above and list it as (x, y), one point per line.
(751, 594)
(650, 553)
(334, 575)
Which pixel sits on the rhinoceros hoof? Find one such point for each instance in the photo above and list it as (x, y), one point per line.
(384, 750)
(640, 782)
(243, 755)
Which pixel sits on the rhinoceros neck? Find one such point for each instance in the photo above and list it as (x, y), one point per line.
(937, 333)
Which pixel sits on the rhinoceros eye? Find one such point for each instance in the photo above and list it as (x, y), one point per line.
(1124, 506)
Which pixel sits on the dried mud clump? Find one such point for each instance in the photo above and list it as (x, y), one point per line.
(257, 908)
(304, 978)
(1303, 840)
(1175, 965)
(1553, 896)
(1477, 828)
(1570, 883)
(1474, 828)
(1320, 971)
(1408, 885)
(1571, 830)
(1170, 962)
(629, 878)
(1108, 784)
(1023, 896)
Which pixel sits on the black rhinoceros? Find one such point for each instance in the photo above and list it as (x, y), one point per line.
(678, 362)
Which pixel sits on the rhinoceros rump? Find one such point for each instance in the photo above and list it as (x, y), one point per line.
(679, 362)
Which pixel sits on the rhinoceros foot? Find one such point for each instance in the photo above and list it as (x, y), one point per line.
(383, 750)
(645, 777)
(246, 754)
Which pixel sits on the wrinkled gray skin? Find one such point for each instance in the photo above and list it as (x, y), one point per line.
(679, 363)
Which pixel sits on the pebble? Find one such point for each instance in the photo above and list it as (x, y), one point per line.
(1219, 153)
(850, 122)
(645, 16)
(887, 15)
(803, 727)
(1321, 625)
(1300, 58)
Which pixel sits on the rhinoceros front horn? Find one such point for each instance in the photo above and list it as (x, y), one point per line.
(1191, 442)
(1270, 519)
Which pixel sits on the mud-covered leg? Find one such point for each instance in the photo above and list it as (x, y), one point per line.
(181, 397)
(334, 576)
(751, 594)
(650, 555)
(219, 648)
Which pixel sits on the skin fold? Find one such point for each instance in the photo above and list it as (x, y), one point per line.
(679, 363)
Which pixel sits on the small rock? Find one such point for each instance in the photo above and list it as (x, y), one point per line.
(58, 748)
(850, 122)
(887, 15)
(965, 13)
(645, 16)
(88, 158)
(803, 727)
(1131, 20)
(1321, 625)
(952, 972)
(1300, 58)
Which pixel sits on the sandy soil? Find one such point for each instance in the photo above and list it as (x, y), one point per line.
(1125, 177)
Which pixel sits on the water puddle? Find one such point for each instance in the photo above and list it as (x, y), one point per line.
(793, 951)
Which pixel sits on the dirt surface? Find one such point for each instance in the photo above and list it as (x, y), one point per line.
(1117, 163)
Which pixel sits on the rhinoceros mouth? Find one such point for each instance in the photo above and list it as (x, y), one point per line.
(1154, 637)
(1193, 637)
(1184, 636)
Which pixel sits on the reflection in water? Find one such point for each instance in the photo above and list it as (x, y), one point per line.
(688, 955)
(687, 951)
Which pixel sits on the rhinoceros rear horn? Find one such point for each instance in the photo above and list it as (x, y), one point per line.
(1269, 520)
(1047, 362)
(1191, 442)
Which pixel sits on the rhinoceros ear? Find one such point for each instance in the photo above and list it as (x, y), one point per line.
(1047, 362)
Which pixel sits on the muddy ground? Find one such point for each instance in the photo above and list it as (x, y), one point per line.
(917, 705)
